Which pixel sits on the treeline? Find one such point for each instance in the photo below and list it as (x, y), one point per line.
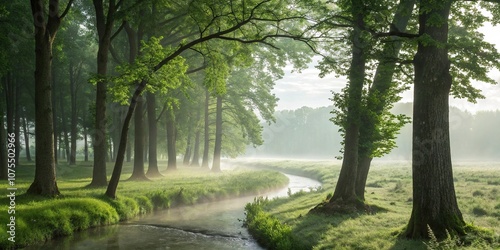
(308, 133)
(189, 79)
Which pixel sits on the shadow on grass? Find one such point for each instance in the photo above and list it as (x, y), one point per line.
(405, 244)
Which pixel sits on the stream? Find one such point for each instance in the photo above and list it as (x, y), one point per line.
(213, 225)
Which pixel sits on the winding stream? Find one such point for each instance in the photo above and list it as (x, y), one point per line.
(214, 225)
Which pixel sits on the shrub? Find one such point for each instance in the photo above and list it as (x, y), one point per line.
(268, 230)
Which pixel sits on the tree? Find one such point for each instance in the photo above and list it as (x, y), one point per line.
(434, 200)
(45, 32)
(222, 22)
(104, 25)
(153, 133)
(345, 188)
(378, 126)
(218, 135)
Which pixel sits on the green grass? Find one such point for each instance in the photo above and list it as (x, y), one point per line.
(390, 187)
(78, 208)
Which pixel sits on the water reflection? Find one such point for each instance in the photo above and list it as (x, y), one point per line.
(214, 225)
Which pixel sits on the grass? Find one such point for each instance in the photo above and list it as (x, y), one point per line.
(390, 187)
(78, 208)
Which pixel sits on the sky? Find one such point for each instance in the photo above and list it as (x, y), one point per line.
(296, 90)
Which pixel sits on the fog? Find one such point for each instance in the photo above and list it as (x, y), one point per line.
(307, 133)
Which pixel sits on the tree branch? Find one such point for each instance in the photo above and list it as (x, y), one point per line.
(65, 12)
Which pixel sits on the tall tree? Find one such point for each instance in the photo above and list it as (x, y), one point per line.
(218, 135)
(105, 18)
(171, 138)
(206, 129)
(378, 125)
(345, 188)
(153, 133)
(434, 200)
(46, 27)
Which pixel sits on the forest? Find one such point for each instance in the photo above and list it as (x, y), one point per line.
(116, 109)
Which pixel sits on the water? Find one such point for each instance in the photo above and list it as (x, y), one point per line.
(214, 225)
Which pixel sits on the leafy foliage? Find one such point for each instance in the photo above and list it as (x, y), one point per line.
(170, 76)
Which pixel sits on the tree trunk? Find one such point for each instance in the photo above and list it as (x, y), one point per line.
(187, 153)
(206, 141)
(45, 169)
(26, 138)
(86, 145)
(129, 151)
(153, 133)
(104, 25)
(120, 156)
(54, 117)
(171, 150)
(195, 162)
(138, 171)
(218, 136)
(362, 175)
(64, 127)
(434, 200)
(377, 101)
(345, 188)
(74, 116)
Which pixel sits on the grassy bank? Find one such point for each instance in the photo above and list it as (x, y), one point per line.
(285, 222)
(78, 208)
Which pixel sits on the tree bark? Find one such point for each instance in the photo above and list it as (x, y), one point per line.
(153, 133)
(218, 136)
(434, 200)
(377, 101)
(104, 25)
(206, 139)
(345, 188)
(45, 171)
(171, 150)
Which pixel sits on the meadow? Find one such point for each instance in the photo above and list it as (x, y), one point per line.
(286, 224)
(78, 207)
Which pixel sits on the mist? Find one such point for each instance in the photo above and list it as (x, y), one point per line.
(307, 133)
